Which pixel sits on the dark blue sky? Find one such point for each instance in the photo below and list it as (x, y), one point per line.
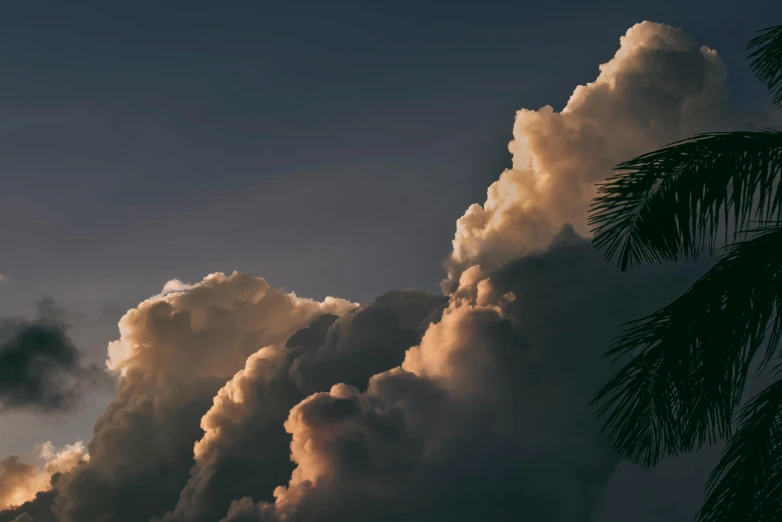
(328, 148)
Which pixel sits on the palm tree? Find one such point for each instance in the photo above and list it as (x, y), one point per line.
(683, 387)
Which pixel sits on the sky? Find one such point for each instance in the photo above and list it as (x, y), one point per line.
(333, 150)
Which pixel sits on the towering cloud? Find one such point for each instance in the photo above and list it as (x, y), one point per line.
(40, 368)
(660, 86)
(240, 402)
(475, 421)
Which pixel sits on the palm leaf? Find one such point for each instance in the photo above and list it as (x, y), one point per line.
(667, 204)
(747, 482)
(680, 391)
(766, 60)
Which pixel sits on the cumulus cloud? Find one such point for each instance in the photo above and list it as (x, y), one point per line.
(175, 352)
(243, 431)
(19, 481)
(661, 86)
(487, 418)
(201, 313)
(242, 402)
(40, 367)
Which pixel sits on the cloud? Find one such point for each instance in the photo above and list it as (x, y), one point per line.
(19, 481)
(660, 86)
(414, 407)
(243, 431)
(202, 311)
(3, 278)
(175, 352)
(38, 509)
(40, 368)
(488, 417)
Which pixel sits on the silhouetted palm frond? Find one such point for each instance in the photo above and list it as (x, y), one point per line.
(681, 390)
(747, 482)
(766, 60)
(668, 203)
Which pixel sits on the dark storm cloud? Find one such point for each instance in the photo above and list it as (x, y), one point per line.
(40, 367)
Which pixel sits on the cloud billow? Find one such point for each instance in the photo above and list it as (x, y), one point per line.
(661, 86)
(240, 402)
(244, 428)
(488, 417)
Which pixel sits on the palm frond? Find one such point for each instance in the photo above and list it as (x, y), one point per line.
(766, 60)
(641, 402)
(747, 482)
(669, 203)
(681, 389)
